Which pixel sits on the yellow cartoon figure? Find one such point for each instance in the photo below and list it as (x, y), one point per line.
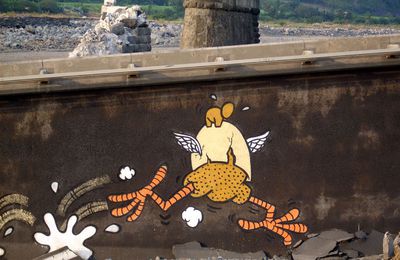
(221, 167)
(216, 115)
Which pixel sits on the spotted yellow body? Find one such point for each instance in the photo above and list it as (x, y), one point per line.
(220, 181)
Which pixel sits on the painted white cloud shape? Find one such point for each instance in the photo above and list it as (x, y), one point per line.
(2, 251)
(192, 216)
(126, 173)
(57, 239)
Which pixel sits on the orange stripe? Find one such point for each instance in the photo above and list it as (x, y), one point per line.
(141, 193)
(178, 196)
(246, 225)
(251, 225)
(157, 179)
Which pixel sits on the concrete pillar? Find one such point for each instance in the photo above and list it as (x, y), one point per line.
(211, 23)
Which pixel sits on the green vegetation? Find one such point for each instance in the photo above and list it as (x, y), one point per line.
(338, 11)
(42, 6)
(277, 11)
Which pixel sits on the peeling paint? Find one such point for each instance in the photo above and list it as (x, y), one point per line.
(323, 205)
(322, 99)
(38, 122)
(367, 139)
(307, 141)
(367, 206)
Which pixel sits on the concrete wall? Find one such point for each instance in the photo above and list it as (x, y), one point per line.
(220, 23)
(333, 153)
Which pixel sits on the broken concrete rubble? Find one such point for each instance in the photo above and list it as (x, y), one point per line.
(370, 246)
(314, 248)
(338, 244)
(194, 250)
(396, 245)
(388, 249)
(120, 30)
(337, 235)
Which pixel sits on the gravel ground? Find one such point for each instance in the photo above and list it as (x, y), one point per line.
(23, 38)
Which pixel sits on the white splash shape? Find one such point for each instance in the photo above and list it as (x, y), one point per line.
(2, 251)
(245, 108)
(54, 186)
(114, 228)
(126, 173)
(192, 216)
(213, 96)
(57, 239)
(8, 231)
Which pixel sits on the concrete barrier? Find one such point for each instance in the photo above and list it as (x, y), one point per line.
(322, 147)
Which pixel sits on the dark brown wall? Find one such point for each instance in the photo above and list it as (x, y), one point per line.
(333, 153)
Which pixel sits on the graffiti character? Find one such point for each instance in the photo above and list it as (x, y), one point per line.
(216, 115)
(221, 168)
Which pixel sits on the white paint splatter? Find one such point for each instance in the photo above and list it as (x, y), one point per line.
(8, 231)
(126, 173)
(2, 251)
(54, 186)
(245, 108)
(213, 96)
(192, 216)
(57, 239)
(114, 228)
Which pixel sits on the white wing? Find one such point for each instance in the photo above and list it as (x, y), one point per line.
(257, 143)
(188, 143)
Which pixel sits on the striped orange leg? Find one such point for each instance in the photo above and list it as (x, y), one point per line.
(165, 205)
(138, 198)
(279, 225)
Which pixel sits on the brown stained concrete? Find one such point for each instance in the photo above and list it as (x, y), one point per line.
(220, 23)
(342, 173)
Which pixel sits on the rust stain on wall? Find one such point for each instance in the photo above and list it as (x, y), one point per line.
(367, 206)
(332, 152)
(323, 205)
(38, 121)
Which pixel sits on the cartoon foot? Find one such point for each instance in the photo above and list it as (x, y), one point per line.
(278, 226)
(137, 198)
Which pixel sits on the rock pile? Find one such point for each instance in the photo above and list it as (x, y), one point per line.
(339, 244)
(324, 32)
(64, 34)
(165, 35)
(194, 250)
(120, 30)
(36, 34)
